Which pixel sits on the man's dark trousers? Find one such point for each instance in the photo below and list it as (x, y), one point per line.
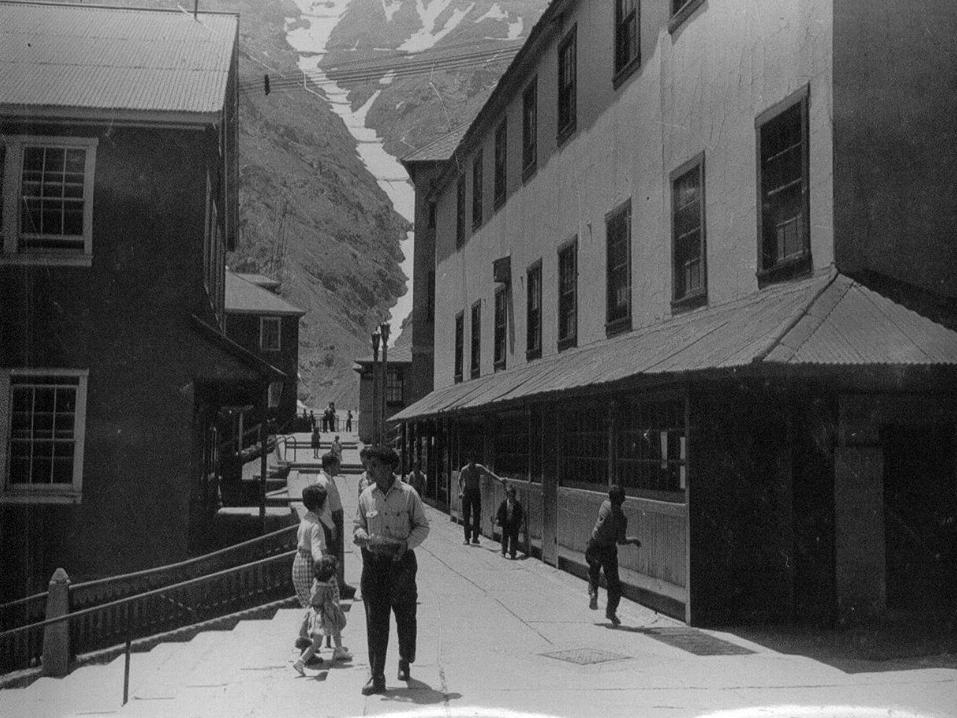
(338, 518)
(471, 505)
(389, 585)
(604, 558)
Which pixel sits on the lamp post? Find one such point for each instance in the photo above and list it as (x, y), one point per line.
(384, 330)
(375, 380)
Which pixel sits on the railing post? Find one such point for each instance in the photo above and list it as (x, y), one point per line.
(263, 468)
(126, 663)
(56, 637)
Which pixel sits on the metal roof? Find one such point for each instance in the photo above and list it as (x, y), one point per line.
(244, 297)
(396, 355)
(828, 319)
(439, 149)
(57, 58)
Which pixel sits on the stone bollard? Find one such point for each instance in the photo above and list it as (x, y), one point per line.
(56, 637)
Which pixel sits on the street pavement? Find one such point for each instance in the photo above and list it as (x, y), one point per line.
(496, 638)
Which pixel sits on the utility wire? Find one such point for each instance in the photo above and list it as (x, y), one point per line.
(362, 71)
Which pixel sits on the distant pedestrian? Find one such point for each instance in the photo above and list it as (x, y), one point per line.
(316, 441)
(417, 479)
(509, 517)
(336, 449)
(324, 616)
(601, 553)
(470, 491)
(312, 421)
(390, 523)
(349, 420)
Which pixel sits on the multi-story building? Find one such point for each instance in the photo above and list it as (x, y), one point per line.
(370, 371)
(265, 324)
(698, 249)
(118, 202)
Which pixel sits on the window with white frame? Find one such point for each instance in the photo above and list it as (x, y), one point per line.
(395, 386)
(46, 198)
(269, 334)
(45, 421)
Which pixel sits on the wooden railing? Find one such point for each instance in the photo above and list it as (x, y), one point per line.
(23, 647)
(163, 609)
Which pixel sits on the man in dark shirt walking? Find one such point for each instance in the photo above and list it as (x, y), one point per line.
(602, 551)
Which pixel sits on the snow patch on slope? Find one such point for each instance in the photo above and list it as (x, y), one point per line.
(391, 7)
(427, 36)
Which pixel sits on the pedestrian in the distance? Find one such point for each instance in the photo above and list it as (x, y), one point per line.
(336, 449)
(316, 441)
(417, 479)
(601, 554)
(312, 421)
(390, 523)
(349, 420)
(509, 518)
(470, 491)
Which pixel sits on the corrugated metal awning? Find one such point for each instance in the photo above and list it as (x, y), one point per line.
(825, 320)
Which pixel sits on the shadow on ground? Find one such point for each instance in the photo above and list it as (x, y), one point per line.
(894, 643)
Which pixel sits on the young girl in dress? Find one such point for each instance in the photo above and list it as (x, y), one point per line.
(324, 617)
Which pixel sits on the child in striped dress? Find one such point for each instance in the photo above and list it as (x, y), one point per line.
(324, 616)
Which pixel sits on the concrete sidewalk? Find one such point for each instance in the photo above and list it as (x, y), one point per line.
(497, 638)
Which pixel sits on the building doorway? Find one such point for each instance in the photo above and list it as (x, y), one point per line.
(920, 516)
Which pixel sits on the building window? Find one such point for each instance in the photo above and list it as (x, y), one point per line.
(689, 265)
(652, 449)
(46, 199)
(476, 354)
(501, 164)
(394, 386)
(269, 334)
(501, 326)
(681, 10)
(477, 190)
(511, 442)
(47, 427)
(533, 312)
(567, 85)
(618, 270)
(431, 213)
(584, 455)
(430, 298)
(626, 36)
(460, 213)
(459, 345)
(530, 129)
(783, 226)
(567, 295)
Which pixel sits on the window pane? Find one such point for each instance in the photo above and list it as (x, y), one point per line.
(783, 210)
(687, 222)
(51, 194)
(477, 190)
(530, 125)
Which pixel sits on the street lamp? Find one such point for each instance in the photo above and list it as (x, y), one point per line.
(384, 330)
(375, 380)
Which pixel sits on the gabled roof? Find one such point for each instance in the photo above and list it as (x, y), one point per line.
(82, 61)
(260, 280)
(244, 297)
(825, 321)
(219, 340)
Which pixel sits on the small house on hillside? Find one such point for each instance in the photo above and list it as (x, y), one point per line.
(267, 325)
(118, 202)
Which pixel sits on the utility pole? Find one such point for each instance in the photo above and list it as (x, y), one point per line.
(384, 330)
(375, 381)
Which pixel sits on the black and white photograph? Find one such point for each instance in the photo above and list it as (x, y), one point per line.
(478, 358)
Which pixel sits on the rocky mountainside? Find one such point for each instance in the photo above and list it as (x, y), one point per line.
(311, 213)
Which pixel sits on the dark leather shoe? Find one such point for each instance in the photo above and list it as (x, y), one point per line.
(375, 686)
(302, 643)
(405, 672)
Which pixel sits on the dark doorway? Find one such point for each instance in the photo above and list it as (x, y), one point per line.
(920, 510)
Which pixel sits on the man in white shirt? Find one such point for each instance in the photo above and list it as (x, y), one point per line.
(390, 522)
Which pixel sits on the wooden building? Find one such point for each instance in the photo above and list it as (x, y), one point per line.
(397, 397)
(698, 249)
(118, 202)
(266, 325)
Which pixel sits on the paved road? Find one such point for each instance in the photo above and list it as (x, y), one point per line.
(505, 638)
